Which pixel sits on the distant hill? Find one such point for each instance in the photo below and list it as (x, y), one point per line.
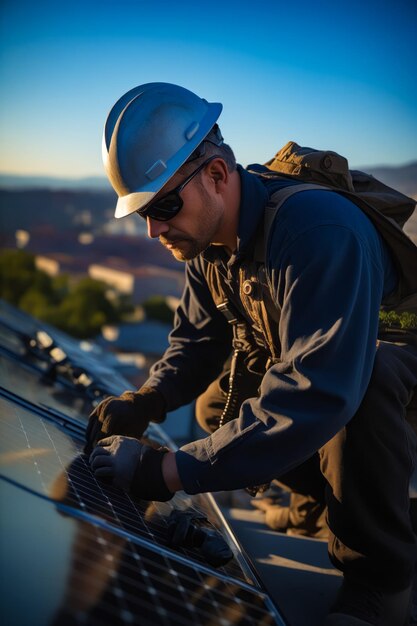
(67, 209)
(12, 181)
(401, 177)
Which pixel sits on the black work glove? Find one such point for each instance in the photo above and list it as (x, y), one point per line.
(132, 466)
(128, 414)
(191, 529)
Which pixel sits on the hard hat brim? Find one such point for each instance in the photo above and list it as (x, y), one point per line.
(132, 202)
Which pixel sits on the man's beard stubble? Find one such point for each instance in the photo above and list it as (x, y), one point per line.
(190, 248)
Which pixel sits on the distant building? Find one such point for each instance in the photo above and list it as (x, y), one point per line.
(123, 281)
(149, 338)
(22, 238)
(137, 345)
(136, 266)
(142, 282)
(57, 263)
(47, 265)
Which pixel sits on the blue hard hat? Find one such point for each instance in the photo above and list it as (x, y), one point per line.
(149, 133)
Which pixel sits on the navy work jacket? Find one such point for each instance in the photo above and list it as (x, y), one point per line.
(329, 271)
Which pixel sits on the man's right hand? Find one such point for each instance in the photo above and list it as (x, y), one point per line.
(128, 414)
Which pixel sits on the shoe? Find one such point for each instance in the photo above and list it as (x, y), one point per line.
(303, 517)
(358, 605)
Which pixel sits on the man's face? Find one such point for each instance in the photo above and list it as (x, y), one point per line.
(198, 222)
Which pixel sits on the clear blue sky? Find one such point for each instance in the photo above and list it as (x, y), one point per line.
(325, 73)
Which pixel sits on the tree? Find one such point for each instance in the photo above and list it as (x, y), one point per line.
(86, 308)
(156, 308)
(17, 270)
(80, 309)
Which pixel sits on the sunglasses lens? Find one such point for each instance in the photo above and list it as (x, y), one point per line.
(163, 209)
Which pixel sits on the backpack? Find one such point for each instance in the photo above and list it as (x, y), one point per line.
(387, 208)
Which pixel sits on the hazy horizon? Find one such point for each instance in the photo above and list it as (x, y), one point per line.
(102, 177)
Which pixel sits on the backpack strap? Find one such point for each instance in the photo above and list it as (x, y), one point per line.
(404, 251)
(276, 201)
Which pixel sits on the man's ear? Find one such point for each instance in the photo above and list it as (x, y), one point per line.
(218, 172)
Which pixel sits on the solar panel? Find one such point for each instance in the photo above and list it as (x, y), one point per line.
(41, 456)
(32, 388)
(105, 553)
(58, 356)
(17, 328)
(66, 402)
(108, 579)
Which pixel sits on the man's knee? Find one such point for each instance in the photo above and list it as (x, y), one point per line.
(209, 406)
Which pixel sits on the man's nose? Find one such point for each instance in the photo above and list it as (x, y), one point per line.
(156, 228)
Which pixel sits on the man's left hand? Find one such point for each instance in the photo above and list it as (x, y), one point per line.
(131, 466)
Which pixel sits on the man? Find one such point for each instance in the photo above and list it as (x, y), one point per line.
(328, 398)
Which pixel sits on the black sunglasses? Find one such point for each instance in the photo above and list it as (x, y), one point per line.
(167, 206)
